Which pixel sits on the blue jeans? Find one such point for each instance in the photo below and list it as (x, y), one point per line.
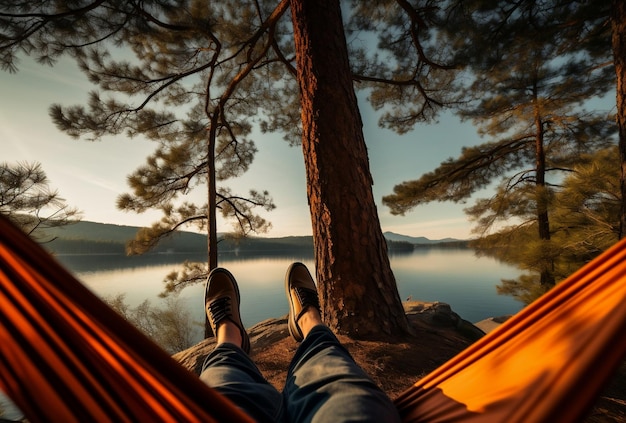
(324, 384)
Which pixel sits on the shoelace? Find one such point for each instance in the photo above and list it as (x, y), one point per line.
(307, 297)
(220, 309)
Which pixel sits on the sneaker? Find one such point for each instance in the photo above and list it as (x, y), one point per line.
(301, 294)
(221, 300)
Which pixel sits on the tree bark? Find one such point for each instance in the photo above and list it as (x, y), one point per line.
(618, 19)
(211, 209)
(357, 288)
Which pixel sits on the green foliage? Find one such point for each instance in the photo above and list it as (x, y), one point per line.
(28, 201)
(585, 216)
(170, 325)
(190, 273)
(587, 208)
(456, 179)
(526, 288)
(408, 75)
(524, 89)
(148, 238)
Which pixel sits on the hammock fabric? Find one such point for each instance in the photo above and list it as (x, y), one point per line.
(66, 356)
(548, 363)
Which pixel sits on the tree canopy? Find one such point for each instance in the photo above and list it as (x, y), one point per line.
(529, 75)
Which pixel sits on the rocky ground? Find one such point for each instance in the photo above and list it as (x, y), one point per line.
(441, 334)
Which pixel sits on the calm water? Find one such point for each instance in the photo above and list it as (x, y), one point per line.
(455, 277)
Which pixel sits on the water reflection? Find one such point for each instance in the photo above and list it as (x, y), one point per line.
(454, 276)
(104, 262)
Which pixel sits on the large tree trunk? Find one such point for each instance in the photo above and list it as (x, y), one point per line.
(358, 292)
(619, 57)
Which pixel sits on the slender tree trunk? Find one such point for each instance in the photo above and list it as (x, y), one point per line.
(212, 205)
(543, 223)
(211, 210)
(358, 292)
(619, 56)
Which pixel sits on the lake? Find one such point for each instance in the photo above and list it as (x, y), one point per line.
(453, 276)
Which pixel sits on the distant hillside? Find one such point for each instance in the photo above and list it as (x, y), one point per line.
(94, 232)
(417, 239)
(103, 238)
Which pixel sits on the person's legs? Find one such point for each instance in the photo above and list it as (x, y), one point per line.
(229, 369)
(231, 372)
(324, 384)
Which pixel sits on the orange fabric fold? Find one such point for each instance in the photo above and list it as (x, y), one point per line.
(66, 356)
(545, 364)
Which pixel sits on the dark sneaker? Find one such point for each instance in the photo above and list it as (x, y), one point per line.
(301, 294)
(221, 301)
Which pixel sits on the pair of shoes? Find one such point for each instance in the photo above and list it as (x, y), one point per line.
(301, 294)
(221, 301)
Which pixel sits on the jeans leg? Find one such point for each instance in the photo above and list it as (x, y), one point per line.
(324, 384)
(231, 372)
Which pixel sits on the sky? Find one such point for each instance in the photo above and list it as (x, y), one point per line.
(91, 175)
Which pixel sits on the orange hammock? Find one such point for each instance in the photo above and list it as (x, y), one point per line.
(66, 356)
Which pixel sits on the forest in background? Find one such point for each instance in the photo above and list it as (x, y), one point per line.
(101, 238)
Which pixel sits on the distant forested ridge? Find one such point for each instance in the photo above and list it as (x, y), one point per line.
(102, 238)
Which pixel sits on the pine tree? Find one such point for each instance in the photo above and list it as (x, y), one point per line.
(409, 74)
(530, 79)
(586, 220)
(147, 55)
(587, 209)
(27, 200)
